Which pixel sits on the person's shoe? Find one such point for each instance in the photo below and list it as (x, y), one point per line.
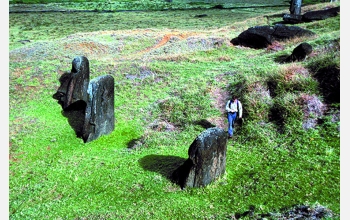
(229, 136)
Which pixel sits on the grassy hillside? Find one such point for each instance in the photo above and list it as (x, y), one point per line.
(173, 71)
(112, 5)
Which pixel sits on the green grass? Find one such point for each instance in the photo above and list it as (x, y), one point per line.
(101, 5)
(272, 164)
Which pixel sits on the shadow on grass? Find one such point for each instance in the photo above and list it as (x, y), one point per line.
(285, 58)
(204, 123)
(75, 113)
(162, 164)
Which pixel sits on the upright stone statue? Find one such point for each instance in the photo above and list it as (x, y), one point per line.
(89, 106)
(206, 162)
(295, 7)
(99, 114)
(74, 84)
(295, 12)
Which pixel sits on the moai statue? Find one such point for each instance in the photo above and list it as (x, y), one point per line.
(206, 160)
(74, 84)
(89, 106)
(295, 12)
(295, 7)
(99, 114)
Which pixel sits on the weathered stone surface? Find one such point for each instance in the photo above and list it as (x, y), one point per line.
(255, 37)
(207, 159)
(295, 7)
(301, 51)
(284, 32)
(89, 106)
(99, 114)
(292, 19)
(262, 36)
(320, 14)
(74, 84)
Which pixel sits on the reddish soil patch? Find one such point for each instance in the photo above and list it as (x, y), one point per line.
(275, 46)
(166, 38)
(87, 48)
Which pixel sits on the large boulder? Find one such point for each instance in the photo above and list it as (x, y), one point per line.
(207, 159)
(259, 37)
(321, 14)
(256, 37)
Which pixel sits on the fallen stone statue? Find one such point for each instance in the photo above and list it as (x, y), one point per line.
(89, 106)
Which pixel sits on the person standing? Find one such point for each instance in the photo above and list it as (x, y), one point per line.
(234, 109)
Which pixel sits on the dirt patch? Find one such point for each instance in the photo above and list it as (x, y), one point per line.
(118, 45)
(87, 48)
(20, 71)
(220, 97)
(292, 72)
(166, 38)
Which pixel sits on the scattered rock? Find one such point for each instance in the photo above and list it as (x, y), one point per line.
(306, 212)
(300, 52)
(317, 212)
